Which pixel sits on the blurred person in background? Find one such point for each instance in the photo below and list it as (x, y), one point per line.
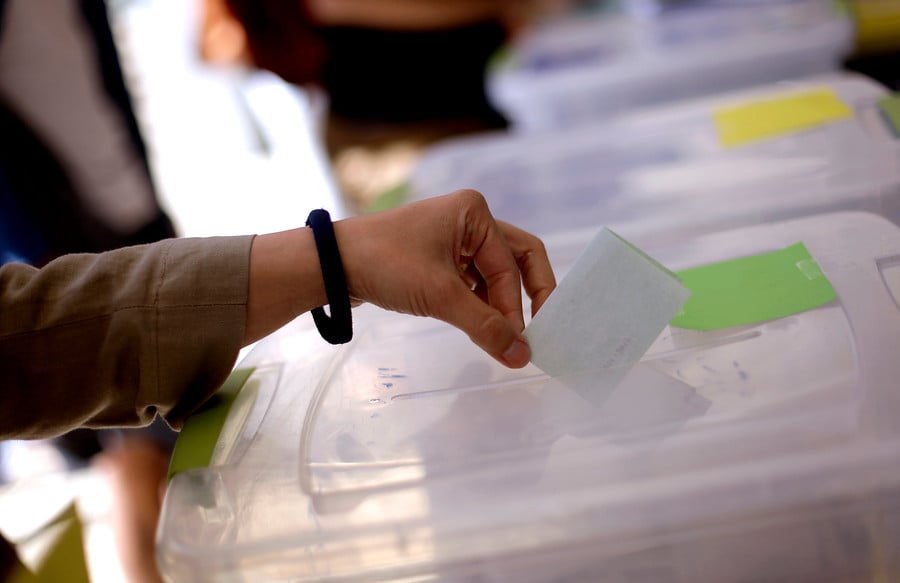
(73, 164)
(398, 74)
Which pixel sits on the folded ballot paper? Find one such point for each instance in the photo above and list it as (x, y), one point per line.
(606, 312)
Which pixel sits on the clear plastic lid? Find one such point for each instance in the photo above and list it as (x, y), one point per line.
(664, 172)
(764, 452)
(578, 69)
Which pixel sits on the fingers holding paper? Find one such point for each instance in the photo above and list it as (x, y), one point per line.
(449, 259)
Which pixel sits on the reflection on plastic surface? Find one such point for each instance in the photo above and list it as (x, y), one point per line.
(393, 413)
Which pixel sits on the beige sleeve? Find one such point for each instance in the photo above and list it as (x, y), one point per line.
(112, 339)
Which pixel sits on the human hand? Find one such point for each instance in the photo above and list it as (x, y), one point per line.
(447, 258)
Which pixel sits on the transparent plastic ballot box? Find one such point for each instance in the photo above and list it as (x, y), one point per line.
(765, 452)
(666, 172)
(566, 71)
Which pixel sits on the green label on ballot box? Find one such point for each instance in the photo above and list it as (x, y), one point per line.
(753, 289)
(197, 440)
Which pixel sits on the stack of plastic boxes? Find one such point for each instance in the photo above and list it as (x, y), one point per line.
(768, 451)
(574, 70)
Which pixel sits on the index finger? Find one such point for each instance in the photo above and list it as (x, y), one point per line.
(534, 265)
(484, 242)
(497, 266)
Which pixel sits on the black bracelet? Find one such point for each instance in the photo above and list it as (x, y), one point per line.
(338, 328)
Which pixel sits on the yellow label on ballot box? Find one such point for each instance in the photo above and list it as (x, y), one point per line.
(763, 119)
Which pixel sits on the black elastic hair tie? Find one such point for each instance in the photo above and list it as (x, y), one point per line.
(338, 328)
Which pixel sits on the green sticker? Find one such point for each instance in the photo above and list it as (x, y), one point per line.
(890, 107)
(753, 289)
(197, 440)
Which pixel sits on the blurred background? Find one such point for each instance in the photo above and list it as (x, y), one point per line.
(154, 118)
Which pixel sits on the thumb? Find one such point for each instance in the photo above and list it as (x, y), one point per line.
(487, 327)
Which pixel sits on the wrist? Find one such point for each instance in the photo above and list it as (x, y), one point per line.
(352, 246)
(285, 281)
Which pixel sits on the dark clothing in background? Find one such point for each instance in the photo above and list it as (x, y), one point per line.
(883, 68)
(37, 189)
(52, 217)
(411, 76)
(377, 75)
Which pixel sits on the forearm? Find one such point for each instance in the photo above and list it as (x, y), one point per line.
(110, 339)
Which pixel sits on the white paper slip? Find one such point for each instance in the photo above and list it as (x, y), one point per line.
(606, 312)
